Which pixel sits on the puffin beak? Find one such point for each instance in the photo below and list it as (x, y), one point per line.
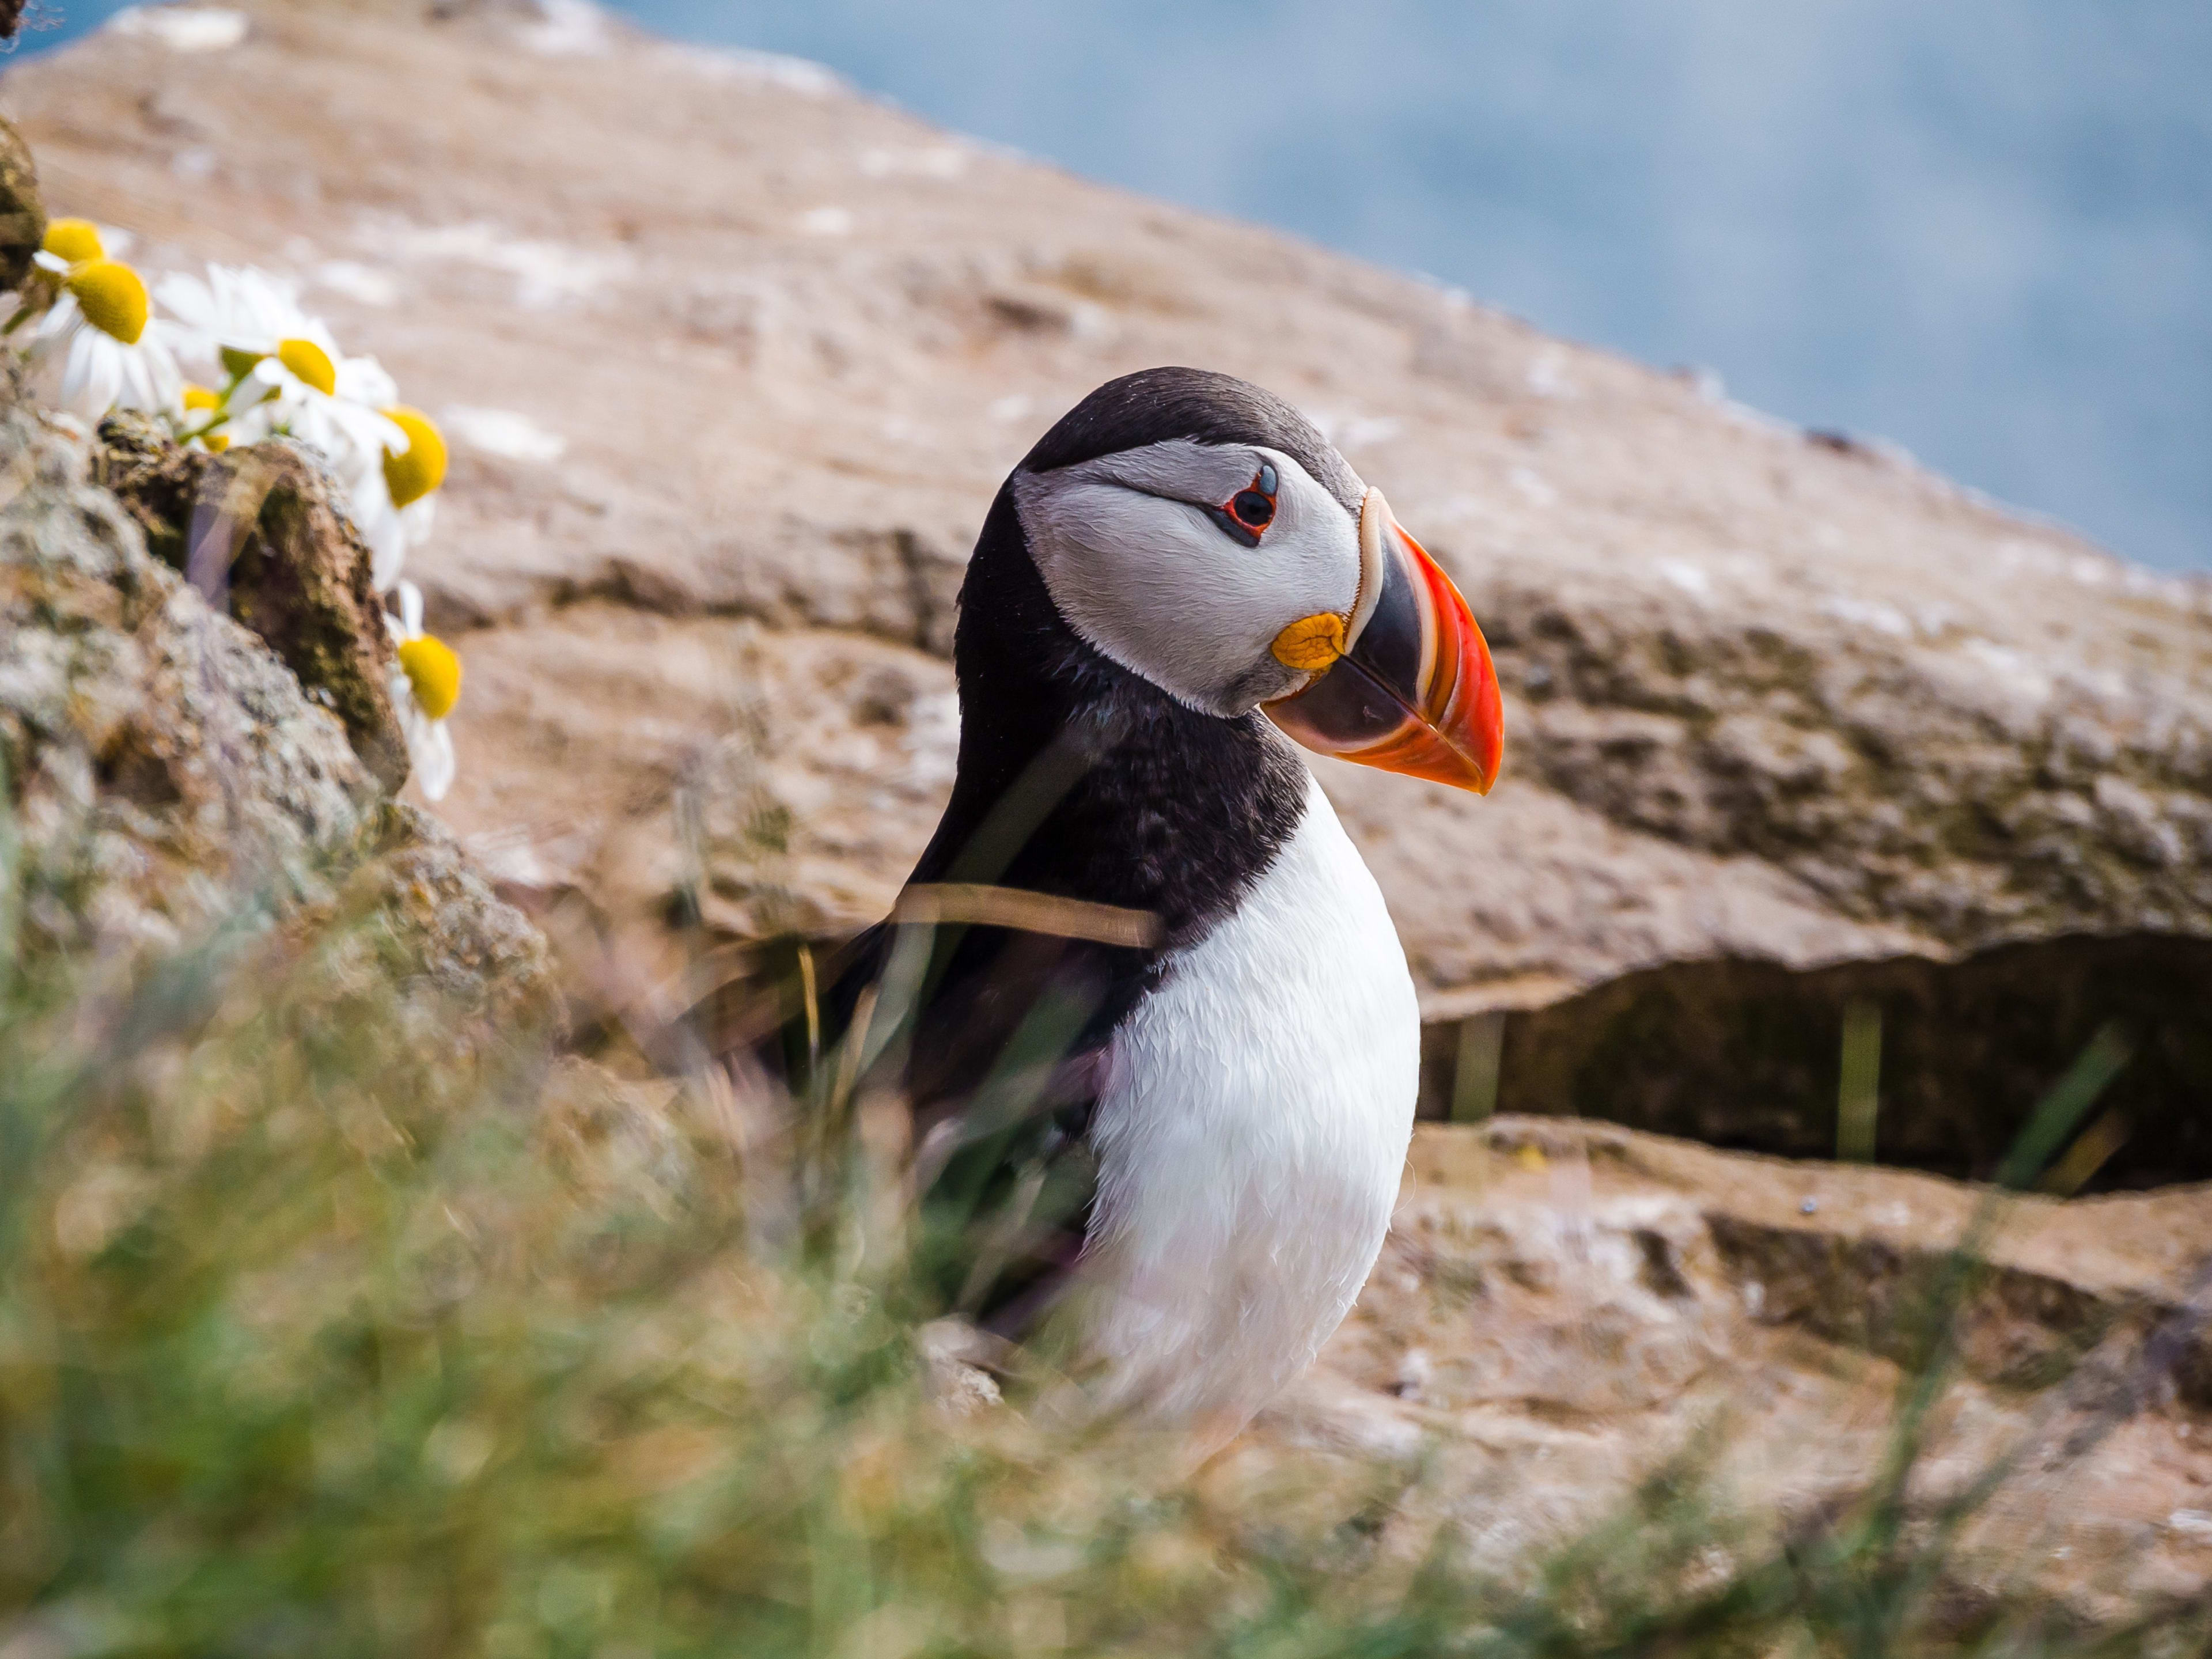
(1412, 689)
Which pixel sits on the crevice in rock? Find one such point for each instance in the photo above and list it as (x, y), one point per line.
(1750, 1056)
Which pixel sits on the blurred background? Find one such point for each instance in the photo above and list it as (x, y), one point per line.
(1982, 230)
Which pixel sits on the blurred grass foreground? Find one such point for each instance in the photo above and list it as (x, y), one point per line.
(331, 1322)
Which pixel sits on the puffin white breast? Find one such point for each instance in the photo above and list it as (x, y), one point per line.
(1251, 1138)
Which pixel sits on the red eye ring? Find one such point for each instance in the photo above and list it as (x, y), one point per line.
(1247, 513)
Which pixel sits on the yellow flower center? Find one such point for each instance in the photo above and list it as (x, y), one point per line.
(74, 241)
(420, 468)
(112, 297)
(310, 362)
(435, 672)
(198, 398)
(217, 442)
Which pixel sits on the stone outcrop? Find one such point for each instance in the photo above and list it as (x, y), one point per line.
(1746, 1053)
(22, 213)
(170, 782)
(261, 529)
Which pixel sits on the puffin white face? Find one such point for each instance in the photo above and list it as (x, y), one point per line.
(1185, 563)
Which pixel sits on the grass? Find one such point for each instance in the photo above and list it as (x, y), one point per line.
(329, 1326)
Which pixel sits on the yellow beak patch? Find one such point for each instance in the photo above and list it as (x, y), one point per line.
(1311, 642)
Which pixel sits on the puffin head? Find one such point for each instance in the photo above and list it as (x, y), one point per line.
(1202, 534)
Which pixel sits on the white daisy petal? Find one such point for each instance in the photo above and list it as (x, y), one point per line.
(242, 310)
(103, 379)
(387, 546)
(136, 388)
(151, 382)
(63, 317)
(434, 761)
(365, 381)
(76, 370)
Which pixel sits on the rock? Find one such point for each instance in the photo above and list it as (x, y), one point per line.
(170, 784)
(766, 357)
(297, 574)
(957, 1365)
(163, 766)
(440, 923)
(22, 213)
(1563, 1310)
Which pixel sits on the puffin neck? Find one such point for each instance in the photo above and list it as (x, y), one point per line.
(1080, 778)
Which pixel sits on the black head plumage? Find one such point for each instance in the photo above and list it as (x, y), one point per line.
(1156, 404)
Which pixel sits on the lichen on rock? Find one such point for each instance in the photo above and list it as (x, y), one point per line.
(259, 529)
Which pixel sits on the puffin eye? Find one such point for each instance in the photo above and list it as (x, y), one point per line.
(1250, 510)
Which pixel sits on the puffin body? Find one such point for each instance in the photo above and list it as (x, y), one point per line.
(1143, 996)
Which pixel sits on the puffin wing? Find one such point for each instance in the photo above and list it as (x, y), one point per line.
(998, 1038)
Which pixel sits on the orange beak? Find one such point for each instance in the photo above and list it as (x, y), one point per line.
(1414, 690)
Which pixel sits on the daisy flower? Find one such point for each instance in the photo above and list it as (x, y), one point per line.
(114, 355)
(330, 402)
(425, 685)
(232, 319)
(393, 501)
(283, 367)
(202, 411)
(287, 374)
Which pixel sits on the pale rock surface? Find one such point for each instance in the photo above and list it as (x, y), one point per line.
(1563, 1310)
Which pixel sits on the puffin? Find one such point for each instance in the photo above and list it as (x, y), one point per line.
(1140, 995)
